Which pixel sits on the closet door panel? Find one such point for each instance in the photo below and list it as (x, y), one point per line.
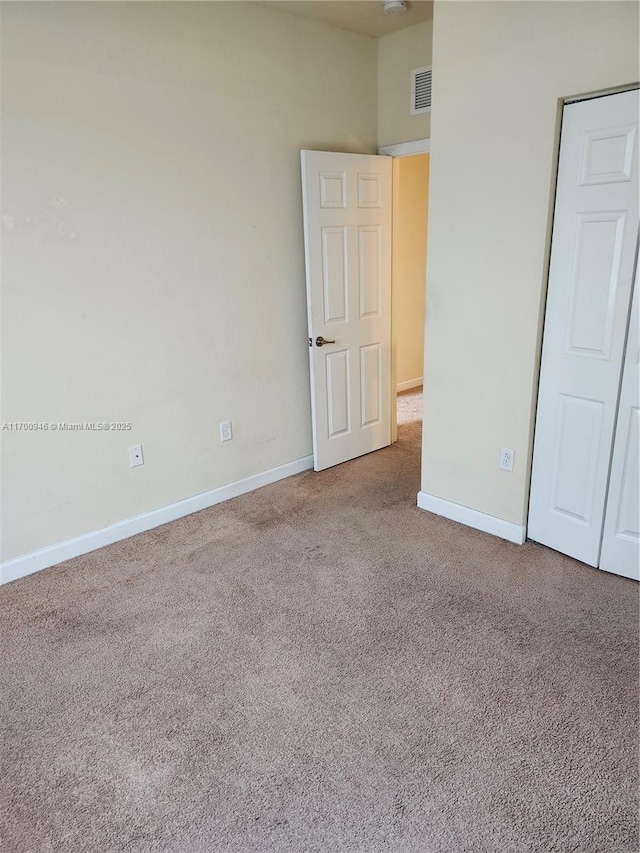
(592, 260)
(620, 543)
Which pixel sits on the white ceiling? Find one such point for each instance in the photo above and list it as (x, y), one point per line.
(360, 16)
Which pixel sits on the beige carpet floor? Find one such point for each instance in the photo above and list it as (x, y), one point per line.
(320, 666)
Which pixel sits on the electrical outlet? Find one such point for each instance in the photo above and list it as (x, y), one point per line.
(225, 431)
(506, 459)
(135, 456)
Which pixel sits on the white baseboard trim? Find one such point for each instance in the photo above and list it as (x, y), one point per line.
(409, 384)
(19, 567)
(472, 518)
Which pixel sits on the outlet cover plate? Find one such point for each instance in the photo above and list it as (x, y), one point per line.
(506, 459)
(135, 456)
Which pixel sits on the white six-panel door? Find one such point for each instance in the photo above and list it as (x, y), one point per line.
(592, 260)
(620, 543)
(347, 234)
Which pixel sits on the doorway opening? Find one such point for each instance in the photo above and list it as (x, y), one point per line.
(357, 342)
(408, 278)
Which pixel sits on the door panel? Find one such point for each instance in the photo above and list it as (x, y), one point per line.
(347, 230)
(370, 384)
(338, 393)
(579, 430)
(592, 259)
(596, 264)
(334, 274)
(621, 540)
(369, 237)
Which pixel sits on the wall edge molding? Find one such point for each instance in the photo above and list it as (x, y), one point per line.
(472, 518)
(52, 555)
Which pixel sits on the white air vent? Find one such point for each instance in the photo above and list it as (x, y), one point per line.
(421, 90)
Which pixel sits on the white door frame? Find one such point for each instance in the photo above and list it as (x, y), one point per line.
(407, 149)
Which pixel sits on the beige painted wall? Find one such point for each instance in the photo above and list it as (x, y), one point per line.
(500, 70)
(398, 54)
(410, 201)
(152, 262)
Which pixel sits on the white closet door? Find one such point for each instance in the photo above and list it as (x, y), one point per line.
(620, 543)
(592, 258)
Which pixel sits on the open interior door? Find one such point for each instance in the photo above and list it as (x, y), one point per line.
(347, 236)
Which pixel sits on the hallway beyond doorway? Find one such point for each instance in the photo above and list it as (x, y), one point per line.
(410, 407)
